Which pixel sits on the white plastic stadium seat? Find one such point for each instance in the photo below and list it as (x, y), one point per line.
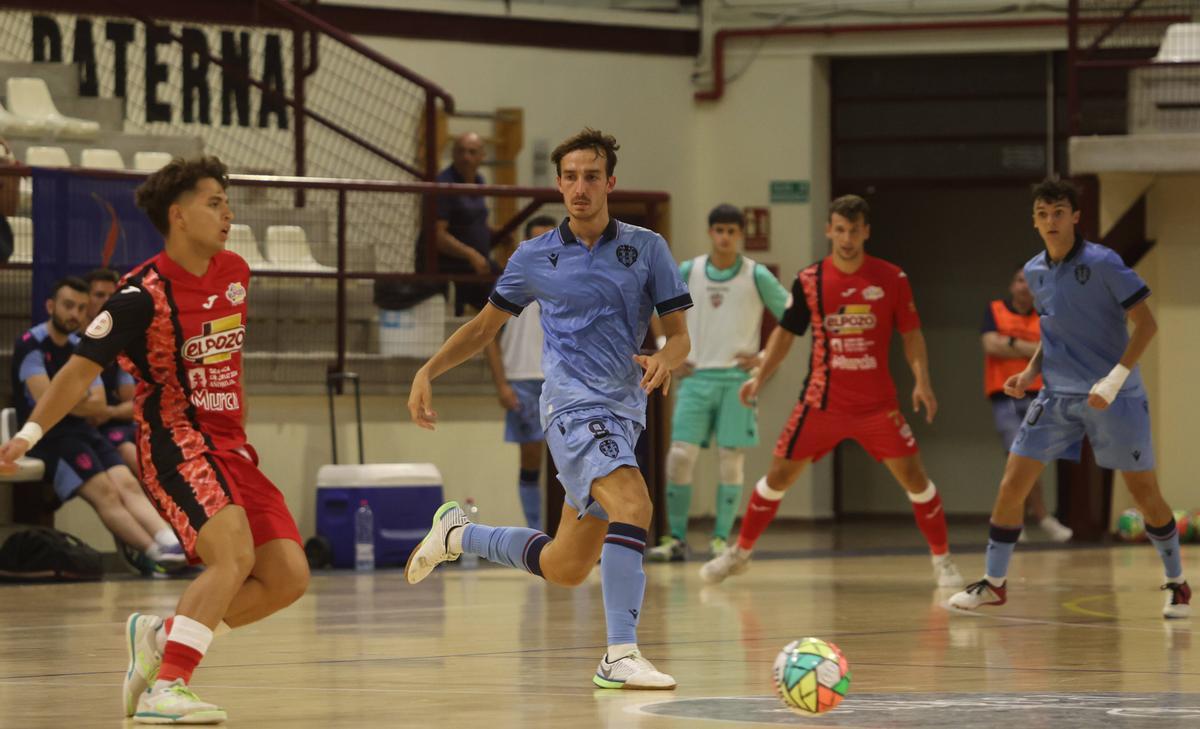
(150, 161)
(287, 250)
(30, 98)
(47, 157)
(1181, 44)
(14, 125)
(241, 241)
(22, 229)
(28, 469)
(101, 159)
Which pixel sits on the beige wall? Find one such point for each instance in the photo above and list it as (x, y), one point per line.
(1169, 366)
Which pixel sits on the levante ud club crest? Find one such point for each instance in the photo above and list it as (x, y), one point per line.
(627, 255)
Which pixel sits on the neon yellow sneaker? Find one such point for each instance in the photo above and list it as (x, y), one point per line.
(718, 545)
(175, 703)
(141, 645)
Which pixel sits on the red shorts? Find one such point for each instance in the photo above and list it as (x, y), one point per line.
(811, 433)
(188, 496)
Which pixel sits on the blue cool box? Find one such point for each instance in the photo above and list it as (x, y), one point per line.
(403, 497)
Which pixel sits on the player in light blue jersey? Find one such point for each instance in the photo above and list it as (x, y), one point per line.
(597, 282)
(1084, 293)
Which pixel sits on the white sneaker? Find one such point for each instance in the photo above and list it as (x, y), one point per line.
(631, 672)
(435, 547)
(979, 594)
(175, 703)
(1179, 597)
(141, 644)
(1056, 530)
(669, 549)
(946, 572)
(733, 561)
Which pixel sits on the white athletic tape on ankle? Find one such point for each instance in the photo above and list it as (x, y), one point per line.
(1108, 387)
(30, 432)
(681, 462)
(925, 496)
(193, 634)
(730, 464)
(766, 491)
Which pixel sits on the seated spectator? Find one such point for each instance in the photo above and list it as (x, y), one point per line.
(78, 459)
(116, 423)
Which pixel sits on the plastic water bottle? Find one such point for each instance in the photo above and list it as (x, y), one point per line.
(468, 560)
(364, 537)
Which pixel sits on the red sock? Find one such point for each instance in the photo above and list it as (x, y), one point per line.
(759, 513)
(186, 645)
(931, 519)
(178, 661)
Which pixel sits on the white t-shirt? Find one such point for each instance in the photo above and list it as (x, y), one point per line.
(521, 345)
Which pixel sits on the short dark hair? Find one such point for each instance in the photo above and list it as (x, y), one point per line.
(541, 221)
(1054, 189)
(726, 213)
(850, 207)
(71, 282)
(101, 274)
(162, 189)
(593, 139)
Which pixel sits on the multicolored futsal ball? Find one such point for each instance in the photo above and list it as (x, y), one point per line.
(1185, 526)
(1131, 527)
(811, 676)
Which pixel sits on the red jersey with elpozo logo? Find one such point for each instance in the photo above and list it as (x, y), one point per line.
(181, 337)
(852, 316)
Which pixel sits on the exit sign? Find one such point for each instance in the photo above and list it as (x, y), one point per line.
(789, 191)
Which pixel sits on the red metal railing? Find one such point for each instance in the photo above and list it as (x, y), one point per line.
(343, 273)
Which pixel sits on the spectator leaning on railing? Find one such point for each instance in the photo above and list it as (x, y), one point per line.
(78, 459)
(464, 238)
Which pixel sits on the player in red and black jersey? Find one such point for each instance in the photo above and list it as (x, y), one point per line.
(852, 302)
(177, 324)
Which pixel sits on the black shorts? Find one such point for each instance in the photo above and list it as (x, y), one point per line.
(75, 457)
(119, 433)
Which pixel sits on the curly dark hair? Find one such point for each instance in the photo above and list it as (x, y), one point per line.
(163, 189)
(850, 207)
(593, 139)
(1054, 189)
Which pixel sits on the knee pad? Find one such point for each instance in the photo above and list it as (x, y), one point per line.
(731, 463)
(681, 461)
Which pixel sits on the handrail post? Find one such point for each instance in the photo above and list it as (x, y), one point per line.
(429, 202)
(299, 109)
(1073, 111)
(341, 280)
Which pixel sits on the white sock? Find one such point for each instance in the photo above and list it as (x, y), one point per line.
(166, 538)
(995, 581)
(154, 552)
(160, 635)
(766, 491)
(617, 652)
(454, 540)
(925, 496)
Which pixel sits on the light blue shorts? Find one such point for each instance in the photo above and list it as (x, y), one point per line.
(586, 445)
(1120, 434)
(524, 425)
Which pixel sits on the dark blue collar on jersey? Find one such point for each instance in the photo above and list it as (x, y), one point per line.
(1075, 249)
(564, 230)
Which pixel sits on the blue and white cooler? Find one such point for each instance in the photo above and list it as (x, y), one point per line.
(403, 497)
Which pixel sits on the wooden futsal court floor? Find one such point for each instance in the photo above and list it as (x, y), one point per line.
(1081, 644)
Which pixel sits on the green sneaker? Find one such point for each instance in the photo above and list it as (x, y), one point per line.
(669, 549)
(718, 545)
(175, 703)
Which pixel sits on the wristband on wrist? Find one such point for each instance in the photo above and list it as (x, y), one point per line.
(1108, 387)
(31, 433)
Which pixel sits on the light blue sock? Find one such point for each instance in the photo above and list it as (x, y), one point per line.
(531, 498)
(1001, 543)
(1166, 540)
(517, 547)
(623, 580)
